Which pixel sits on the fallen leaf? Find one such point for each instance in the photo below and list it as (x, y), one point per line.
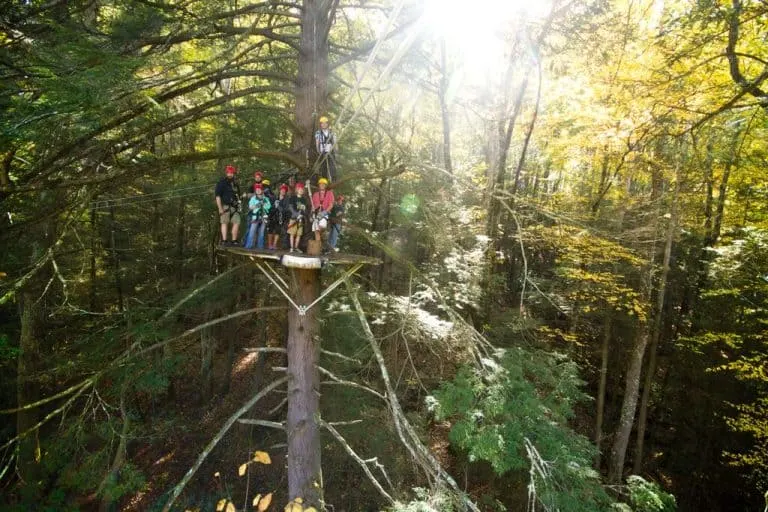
(265, 502)
(242, 469)
(256, 500)
(262, 457)
(221, 504)
(310, 509)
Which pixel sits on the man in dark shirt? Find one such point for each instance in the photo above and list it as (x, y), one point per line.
(228, 203)
(337, 220)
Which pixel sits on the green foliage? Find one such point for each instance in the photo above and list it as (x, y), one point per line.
(517, 410)
(427, 501)
(647, 496)
(8, 353)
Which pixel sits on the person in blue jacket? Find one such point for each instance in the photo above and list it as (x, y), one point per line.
(258, 213)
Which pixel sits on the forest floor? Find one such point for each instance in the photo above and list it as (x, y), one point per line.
(166, 459)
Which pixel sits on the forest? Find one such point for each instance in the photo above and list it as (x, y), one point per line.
(549, 290)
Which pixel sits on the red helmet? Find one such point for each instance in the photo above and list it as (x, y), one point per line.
(258, 174)
(299, 185)
(284, 187)
(257, 186)
(230, 169)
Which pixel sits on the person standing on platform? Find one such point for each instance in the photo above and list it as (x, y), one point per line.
(268, 190)
(259, 206)
(299, 208)
(325, 145)
(278, 217)
(228, 202)
(336, 222)
(322, 202)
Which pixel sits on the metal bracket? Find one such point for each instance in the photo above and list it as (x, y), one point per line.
(282, 286)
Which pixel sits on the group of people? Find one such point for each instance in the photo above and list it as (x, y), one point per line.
(287, 218)
(279, 221)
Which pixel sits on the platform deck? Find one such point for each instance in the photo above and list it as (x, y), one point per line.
(334, 258)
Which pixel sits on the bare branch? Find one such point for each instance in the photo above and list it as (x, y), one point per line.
(358, 459)
(212, 444)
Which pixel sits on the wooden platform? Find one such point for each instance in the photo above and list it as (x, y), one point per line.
(333, 258)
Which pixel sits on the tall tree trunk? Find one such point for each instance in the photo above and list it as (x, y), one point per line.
(642, 417)
(302, 426)
(628, 406)
(180, 240)
(29, 365)
(115, 260)
(445, 81)
(207, 350)
(505, 128)
(92, 282)
(602, 386)
(312, 76)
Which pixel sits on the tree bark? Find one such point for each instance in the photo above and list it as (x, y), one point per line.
(631, 392)
(29, 364)
(312, 76)
(656, 329)
(444, 111)
(115, 260)
(92, 282)
(302, 426)
(601, 387)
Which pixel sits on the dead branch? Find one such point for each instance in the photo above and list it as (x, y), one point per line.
(212, 444)
(408, 436)
(358, 459)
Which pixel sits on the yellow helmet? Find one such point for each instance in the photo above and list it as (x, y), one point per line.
(266, 181)
(323, 119)
(322, 181)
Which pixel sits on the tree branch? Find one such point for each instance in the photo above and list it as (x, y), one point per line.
(212, 444)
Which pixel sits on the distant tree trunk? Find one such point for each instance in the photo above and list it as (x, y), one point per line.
(29, 365)
(528, 133)
(180, 241)
(115, 260)
(207, 350)
(657, 327)
(113, 474)
(444, 111)
(304, 465)
(628, 407)
(92, 281)
(504, 129)
(386, 267)
(607, 324)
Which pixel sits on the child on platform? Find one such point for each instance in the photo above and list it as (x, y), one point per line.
(258, 206)
(278, 217)
(299, 208)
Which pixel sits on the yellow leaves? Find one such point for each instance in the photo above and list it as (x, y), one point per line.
(262, 504)
(242, 469)
(262, 457)
(224, 505)
(294, 505)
